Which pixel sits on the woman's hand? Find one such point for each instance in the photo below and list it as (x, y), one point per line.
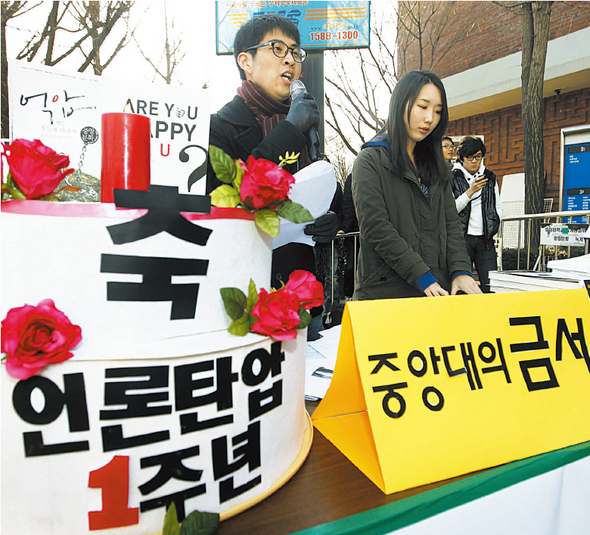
(464, 283)
(434, 290)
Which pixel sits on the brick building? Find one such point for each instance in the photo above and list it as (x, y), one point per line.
(481, 73)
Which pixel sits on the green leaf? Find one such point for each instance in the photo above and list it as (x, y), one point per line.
(268, 221)
(305, 317)
(225, 197)
(198, 523)
(15, 193)
(241, 326)
(171, 525)
(294, 212)
(234, 301)
(252, 297)
(237, 183)
(223, 165)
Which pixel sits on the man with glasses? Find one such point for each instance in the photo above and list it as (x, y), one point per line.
(262, 121)
(448, 149)
(477, 197)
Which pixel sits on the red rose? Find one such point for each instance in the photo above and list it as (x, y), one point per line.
(277, 313)
(264, 183)
(307, 288)
(33, 337)
(36, 169)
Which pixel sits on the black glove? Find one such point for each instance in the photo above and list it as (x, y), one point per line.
(304, 112)
(324, 228)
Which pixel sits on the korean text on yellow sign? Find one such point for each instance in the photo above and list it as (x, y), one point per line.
(428, 389)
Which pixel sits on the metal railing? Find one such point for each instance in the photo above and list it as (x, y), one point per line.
(546, 217)
(560, 217)
(343, 236)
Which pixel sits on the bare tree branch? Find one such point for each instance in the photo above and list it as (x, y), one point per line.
(88, 15)
(336, 127)
(361, 84)
(172, 52)
(70, 28)
(9, 11)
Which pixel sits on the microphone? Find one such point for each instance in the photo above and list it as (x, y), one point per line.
(297, 88)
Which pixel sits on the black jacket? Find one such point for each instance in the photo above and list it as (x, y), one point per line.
(234, 130)
(488, 203)
(349, 221)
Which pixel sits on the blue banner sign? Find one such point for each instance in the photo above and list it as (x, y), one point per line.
(576, 184)
(322, 25)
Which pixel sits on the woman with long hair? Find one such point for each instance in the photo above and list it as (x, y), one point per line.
(411, 241)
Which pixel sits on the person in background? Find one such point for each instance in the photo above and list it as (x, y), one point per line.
(262, 121)
(448, 149)
(411, 242)
(349, 224)
(328, 264)
(477, 197)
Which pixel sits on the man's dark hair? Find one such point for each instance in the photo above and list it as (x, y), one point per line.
(470, 146)
(252, 33)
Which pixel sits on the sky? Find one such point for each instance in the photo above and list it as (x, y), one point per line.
(194, 22)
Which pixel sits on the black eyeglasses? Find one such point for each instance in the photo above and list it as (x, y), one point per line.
(476, 158)
(281, 50)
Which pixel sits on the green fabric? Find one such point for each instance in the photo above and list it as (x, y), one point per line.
(411, 510)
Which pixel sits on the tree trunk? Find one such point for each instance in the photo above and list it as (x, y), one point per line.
(4, 91)
(9, 10)
(535, 35)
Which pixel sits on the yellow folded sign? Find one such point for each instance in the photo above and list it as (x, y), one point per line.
(428, 389)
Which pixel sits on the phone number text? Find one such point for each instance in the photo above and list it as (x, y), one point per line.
(347, 35)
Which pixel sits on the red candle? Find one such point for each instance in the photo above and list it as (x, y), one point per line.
(125, 153)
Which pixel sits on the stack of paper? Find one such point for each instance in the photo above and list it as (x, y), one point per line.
(575, 268)
(320, 362)
(529, 281)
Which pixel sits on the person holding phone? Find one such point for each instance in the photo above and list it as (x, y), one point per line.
(477, 197)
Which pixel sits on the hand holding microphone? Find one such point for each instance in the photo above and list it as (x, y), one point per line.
(304, 114)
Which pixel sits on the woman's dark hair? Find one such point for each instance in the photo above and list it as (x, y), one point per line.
(252, 33)
(430, 163)
(470, 146)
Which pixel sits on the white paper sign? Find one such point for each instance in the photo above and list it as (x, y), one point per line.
(69, 252)
(93, 464)
(61, 109)
(314, 189)
(560, 234)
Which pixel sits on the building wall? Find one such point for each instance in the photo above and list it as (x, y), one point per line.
(496, 34)
(503, 135)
